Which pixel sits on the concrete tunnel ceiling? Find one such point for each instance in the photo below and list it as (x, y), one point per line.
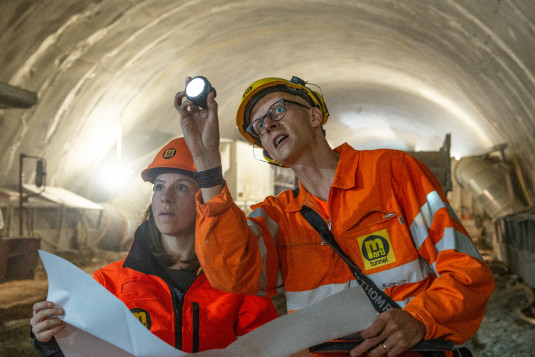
(398, 74)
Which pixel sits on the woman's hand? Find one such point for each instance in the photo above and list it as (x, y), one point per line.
(394, 332)
(200, 127)
(44, 322)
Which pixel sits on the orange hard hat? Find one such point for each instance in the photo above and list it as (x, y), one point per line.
(173, 157)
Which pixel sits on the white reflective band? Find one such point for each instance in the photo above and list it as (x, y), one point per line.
(423, 220)
(296, 300)
(262, 279)
(274, 230)
(411, 272)
(453, 239)
(271, 224)
(452, 213)
(404, 303)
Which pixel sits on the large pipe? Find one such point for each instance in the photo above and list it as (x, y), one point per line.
(488, 186)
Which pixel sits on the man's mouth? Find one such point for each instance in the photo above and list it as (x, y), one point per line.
(279, 139)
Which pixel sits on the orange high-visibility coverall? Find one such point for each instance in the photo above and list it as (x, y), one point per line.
(386, 211)
(193, 318)
(197, 319)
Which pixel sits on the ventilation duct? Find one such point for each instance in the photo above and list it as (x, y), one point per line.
(490, 185)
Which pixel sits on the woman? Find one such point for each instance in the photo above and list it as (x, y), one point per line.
(160, 280)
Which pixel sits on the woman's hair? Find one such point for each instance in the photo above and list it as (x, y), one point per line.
(156, 247)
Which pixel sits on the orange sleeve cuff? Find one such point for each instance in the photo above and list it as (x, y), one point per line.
(423, 316)
(216, 205)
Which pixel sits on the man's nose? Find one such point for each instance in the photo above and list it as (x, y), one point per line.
(270, 124)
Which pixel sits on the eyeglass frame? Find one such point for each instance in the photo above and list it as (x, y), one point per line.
(268, 114)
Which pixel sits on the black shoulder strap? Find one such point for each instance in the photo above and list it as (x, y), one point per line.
(379, 299)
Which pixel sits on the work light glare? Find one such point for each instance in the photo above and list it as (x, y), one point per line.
(197, 90)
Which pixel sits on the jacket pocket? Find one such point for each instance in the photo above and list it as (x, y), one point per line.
(370, 242)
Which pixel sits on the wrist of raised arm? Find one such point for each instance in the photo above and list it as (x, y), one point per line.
(207, 161)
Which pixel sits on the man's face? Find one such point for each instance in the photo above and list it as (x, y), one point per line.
(282, 139)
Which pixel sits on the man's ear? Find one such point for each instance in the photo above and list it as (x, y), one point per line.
(317, 117)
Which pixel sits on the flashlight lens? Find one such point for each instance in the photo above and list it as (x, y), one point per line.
(195, 87)
(197, 90)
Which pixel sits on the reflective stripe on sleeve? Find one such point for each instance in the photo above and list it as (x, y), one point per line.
(272, 226)
(404, 303)
(257, 230)
(453, 239)
(423, 220)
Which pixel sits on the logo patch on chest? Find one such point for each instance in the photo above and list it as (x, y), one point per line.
(376, 249)
(142, 315)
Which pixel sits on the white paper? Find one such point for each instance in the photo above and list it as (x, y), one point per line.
(99, 324)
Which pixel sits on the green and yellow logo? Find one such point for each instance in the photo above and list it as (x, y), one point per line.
(376, 249)
(169, 153)
(143, 316)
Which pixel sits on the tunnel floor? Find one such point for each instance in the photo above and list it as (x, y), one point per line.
(502, 332)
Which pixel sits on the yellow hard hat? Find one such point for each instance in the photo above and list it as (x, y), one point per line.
(264, 86)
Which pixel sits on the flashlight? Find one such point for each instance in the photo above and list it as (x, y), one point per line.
(197, 90)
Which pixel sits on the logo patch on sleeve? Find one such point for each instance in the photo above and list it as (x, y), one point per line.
(143, 316)
(376, 249)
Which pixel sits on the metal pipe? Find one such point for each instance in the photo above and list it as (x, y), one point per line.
(21, 160)
(488, 186)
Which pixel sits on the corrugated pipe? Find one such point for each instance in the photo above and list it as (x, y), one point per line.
(488, 185)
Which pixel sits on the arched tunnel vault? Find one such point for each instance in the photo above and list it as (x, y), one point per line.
(394, 73)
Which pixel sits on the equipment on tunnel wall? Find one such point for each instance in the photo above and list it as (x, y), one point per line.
(14, 97)
(492, 182)
(489, 183)
(198, 89)
(18, 255)
(439, 162)
(516, 234)
(56, 220)
(40, 180)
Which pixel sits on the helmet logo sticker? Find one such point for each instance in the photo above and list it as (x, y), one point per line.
(142, 315)
(247, 91)
(169, 153)
(376, 249)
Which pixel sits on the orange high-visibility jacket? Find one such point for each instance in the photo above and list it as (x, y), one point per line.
(386, 211)
(202, 319)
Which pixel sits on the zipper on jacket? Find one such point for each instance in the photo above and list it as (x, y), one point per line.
(386, 217)
(177, 304)
(196, 327)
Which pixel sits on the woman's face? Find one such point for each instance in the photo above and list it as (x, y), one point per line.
(173, 204)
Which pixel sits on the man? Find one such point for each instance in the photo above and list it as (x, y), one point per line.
(385, 209)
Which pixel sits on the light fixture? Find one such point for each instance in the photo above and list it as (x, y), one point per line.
(197, 90)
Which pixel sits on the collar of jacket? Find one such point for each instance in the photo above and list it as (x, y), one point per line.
(348, 163)
(140, 259)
